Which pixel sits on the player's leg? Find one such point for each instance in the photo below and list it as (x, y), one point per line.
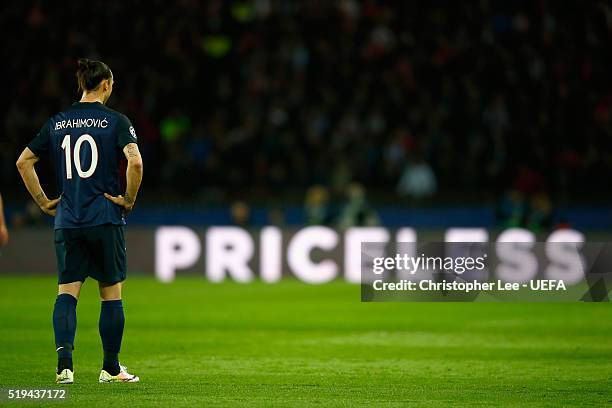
(112, 321)
(111, 243)
(71, 266)
(64, 326)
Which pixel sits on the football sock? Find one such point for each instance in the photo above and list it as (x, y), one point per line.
(64, 325)
(111, 325)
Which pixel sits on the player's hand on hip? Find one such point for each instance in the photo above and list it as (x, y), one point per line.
(49, 207)
(121, 201)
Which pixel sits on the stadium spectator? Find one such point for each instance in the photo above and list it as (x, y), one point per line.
(241, 214)
(418, 180)
(356, 212)
(276, 217)
(317, 206)
(511, 209)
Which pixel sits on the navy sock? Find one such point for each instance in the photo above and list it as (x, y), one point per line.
(64, 325)
(111, 325)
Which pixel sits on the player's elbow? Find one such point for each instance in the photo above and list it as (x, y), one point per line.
(136, 164)
(26, 161)
(21, 164)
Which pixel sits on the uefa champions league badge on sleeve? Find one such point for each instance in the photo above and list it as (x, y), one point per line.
(133, 133)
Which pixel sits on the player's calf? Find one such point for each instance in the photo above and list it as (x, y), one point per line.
(64, 325)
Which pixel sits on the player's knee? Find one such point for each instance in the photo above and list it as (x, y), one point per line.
(73, 289)
(110, 292)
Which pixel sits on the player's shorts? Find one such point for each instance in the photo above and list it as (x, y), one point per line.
(96, 252)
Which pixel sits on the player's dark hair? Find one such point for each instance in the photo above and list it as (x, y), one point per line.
(91, 73)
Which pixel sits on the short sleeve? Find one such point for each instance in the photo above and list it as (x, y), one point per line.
(125, 132)
(40, 144)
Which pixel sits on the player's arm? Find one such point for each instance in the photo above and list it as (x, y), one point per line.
(4, 236)
(25, 165)
(133, 176)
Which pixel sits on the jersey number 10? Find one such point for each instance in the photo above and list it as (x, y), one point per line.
(77, 156)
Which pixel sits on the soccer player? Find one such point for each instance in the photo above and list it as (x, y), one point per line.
(85, 143)
(4, 235)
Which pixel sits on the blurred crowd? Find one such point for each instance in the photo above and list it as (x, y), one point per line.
(413, 98)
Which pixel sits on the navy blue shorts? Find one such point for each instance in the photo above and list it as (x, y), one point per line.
(97, 252)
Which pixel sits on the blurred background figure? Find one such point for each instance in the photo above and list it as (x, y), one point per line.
(511, 210)
(539, 217)
(317, 206)
(4, 235)
(276, 217)
(356, 212)
(417, 180)
(241, 214)
(527, 203)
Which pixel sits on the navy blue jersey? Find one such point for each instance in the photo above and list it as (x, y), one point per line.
(85, 144)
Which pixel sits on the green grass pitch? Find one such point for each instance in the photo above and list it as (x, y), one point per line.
(195, 343)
